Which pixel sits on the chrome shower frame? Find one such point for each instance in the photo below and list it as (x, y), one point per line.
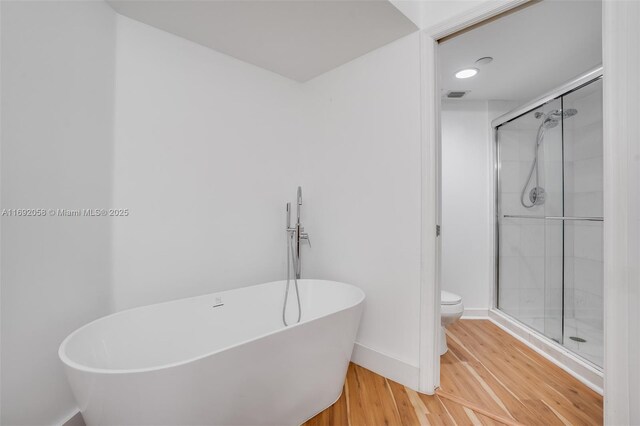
(571, 86)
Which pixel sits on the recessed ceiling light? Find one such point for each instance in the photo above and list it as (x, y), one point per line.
(466, 73)
(484, 61)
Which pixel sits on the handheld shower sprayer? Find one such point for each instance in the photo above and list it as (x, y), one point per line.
(299, 203)
(549, 121)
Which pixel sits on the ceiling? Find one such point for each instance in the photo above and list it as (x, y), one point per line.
(297, 39)
(534, 50)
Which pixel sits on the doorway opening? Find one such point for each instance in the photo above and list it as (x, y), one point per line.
(521, 183)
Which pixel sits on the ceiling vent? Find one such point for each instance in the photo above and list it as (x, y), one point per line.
(456, 95)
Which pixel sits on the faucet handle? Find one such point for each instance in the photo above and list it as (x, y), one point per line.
(305, 236)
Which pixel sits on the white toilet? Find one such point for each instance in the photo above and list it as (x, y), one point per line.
(451, 309)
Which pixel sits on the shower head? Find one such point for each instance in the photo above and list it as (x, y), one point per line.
(299, 202)
(564, 113)
(549, 121)
(552, 118)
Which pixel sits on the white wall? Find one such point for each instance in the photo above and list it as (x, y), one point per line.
(208, 150)
(362, 180)
(467, 200)
(57, 116)
(466, 197)
(207, 153)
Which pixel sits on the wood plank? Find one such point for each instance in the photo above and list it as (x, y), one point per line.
(512, 365)
(457, 413)
(371, 400)
(530, 376)
(487, 421)
(470, 385)
(475, 407)
(357, 408)
(409, 413)
(335, 415)
(487, 378)
(546, 414)
(437, 412)
(509, 400)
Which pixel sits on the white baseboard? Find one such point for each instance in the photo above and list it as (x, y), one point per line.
(74, 419)
(563, 358)
(386, 366)
(475, 313)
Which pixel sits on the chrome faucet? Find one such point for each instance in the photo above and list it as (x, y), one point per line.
(297, 232)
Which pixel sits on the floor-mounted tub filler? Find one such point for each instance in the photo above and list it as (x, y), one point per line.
(219, 359)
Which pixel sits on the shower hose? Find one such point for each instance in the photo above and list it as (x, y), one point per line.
(291, 256)
(534, 167)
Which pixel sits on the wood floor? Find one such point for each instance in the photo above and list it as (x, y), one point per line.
(488, 378)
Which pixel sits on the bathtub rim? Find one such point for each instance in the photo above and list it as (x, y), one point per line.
(81, 367)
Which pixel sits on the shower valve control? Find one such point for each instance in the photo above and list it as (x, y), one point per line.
(305, 236)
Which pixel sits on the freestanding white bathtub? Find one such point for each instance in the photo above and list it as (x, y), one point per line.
(188, 362)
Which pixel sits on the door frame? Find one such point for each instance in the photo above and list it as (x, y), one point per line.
(621, 61)
(429, 356)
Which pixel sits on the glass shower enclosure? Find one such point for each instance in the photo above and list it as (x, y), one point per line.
(550, 216)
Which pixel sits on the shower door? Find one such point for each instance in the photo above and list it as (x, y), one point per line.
(530, 244)
(549, 208)
(583, 244)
